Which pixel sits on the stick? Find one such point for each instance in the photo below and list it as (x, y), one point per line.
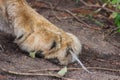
(95, 68)
(35, 74)
(85, 24)
(102, 7)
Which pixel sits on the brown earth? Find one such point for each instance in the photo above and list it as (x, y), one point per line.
(98, 51)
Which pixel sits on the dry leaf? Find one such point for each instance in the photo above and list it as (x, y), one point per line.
(63, 71)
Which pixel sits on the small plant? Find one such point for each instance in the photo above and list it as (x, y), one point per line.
(116, 3)
(117, 21)
(115, 15)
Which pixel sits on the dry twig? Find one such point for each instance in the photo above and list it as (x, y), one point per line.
(96, 6)
(94, 68)
(85, 24)
(111, 32)
(35, 74)
(101, 8)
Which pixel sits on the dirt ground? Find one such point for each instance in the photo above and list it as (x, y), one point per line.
(98, 51)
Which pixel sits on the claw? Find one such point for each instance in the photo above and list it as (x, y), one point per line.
(76, 58)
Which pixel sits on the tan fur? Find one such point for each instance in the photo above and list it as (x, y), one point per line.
(37, 33)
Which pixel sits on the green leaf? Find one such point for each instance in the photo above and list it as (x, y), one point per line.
(118, 6)
(119, 30)
(114, 14)
(32, 54)
(118, 1)
(63, 71)
(117, 20)
(114, 1)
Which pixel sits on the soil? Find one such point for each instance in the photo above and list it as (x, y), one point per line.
(98, 50)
